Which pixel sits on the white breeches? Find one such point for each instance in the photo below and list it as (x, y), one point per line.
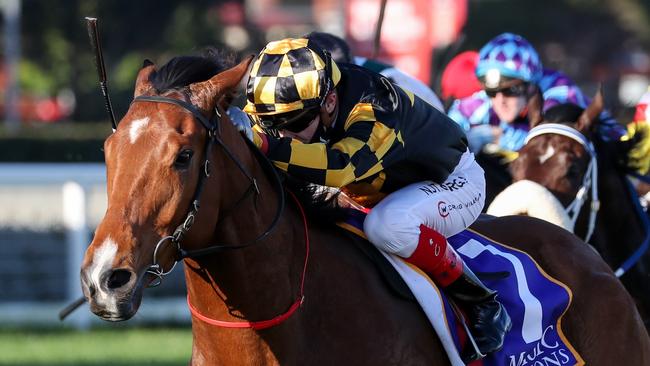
(393, 224)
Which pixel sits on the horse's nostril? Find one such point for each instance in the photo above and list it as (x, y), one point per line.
(87, 286)
(118, 278)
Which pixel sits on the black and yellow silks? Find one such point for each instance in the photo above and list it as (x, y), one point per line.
(639, 154)
(383, 138)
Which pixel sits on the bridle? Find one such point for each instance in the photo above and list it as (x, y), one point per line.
(213, 129)
(590, 179)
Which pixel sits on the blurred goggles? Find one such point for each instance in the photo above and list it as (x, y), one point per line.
(294, 121)
(511, 91)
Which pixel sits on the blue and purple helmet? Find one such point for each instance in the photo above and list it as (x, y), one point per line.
(511, 56)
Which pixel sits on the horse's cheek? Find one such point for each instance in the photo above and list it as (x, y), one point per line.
(518, 168)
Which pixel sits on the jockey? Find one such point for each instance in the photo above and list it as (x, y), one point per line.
(509, 68)
(348, 127)
(639, 155)
(341, 53)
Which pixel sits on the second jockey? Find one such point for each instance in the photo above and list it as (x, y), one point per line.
(507, 68)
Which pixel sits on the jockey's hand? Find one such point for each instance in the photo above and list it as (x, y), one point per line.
(240, 119)
(639, 155)
(479, 136)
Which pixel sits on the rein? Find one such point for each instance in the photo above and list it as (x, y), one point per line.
(213, 129)
(590, 179)
(640, 251)
(263, 324)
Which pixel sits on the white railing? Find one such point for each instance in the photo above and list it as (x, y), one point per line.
(81, 204)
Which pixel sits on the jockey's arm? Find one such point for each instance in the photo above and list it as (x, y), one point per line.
(356, 156)
(472, 114)
(639, 154)
(512, 137)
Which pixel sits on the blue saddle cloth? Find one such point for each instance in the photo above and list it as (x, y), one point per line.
(535, 301)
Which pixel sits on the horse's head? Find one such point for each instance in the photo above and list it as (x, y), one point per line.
(558, 150)
(154, 162)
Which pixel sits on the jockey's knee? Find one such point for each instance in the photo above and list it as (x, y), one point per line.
(394, 231)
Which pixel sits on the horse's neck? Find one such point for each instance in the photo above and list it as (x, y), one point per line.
(616, 220)
(254, 283)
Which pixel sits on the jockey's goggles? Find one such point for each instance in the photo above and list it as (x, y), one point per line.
(517, 90)
(294, 121)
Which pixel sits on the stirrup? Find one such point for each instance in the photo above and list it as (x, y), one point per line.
(470, 352)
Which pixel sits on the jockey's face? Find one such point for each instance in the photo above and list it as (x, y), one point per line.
(305, 135)
(508, 108)
(326, 116)
(509, 101)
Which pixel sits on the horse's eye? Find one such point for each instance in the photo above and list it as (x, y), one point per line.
(183, 159)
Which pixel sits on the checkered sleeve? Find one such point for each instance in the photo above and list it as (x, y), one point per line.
(356, 156)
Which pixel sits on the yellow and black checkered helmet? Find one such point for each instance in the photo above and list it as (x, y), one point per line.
(288, 76)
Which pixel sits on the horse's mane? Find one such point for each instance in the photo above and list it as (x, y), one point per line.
(616, 150)
(182, 71)
(320, 205)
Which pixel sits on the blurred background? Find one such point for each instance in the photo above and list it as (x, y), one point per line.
(53, 123)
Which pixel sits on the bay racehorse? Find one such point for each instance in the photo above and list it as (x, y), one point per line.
(266, 285)
(587, 173)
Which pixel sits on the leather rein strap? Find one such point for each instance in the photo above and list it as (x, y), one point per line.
(263, 324)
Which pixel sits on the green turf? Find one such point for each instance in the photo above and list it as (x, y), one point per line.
(96, 347)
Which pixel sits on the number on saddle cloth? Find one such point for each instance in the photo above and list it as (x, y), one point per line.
(529, 295)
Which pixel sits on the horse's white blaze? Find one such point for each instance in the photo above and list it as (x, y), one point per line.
(137, 127)
(550, 151)
(102, 261)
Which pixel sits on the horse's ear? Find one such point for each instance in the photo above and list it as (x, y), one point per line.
(535, 105)
(205, 94)
(142, 83)
(590, 115)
